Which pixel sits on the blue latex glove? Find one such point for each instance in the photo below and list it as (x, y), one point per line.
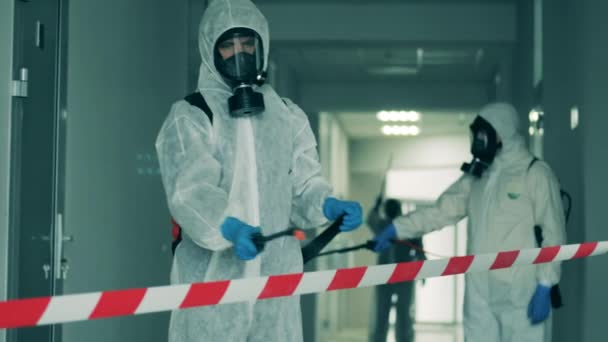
(240, 233)
(353, 214)
(384, 239)
(540, 305)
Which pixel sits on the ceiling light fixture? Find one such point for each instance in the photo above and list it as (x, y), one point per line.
(398, 116)
(393, 70)
(534, 115)
(401, 130)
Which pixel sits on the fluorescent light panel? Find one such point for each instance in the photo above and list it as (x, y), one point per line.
(398, 116)
(400, 130)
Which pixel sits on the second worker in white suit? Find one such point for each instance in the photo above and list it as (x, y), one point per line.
(505, 194)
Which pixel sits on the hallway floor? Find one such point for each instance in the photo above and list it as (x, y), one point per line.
(424, 333)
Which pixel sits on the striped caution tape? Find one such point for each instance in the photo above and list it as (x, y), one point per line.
(97, 305)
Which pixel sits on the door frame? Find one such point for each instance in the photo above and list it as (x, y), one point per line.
(60, 140)
(7, 9)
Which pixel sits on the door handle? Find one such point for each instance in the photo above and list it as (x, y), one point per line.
(59, 262)
(41, 238)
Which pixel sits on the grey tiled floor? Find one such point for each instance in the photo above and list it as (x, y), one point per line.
(424, 333)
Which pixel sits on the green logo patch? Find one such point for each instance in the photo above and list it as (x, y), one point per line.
(513, 195)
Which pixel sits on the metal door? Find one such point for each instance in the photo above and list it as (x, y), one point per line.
(34, 268)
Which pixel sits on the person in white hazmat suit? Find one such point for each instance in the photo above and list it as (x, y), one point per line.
(252, 167)
(504, 194)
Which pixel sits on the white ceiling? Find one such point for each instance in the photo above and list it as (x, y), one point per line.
(365, 124)
(376, 60)
(349, 62)
(359, 2)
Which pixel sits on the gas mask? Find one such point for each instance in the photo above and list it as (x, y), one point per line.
(484, 147)
(239, 58)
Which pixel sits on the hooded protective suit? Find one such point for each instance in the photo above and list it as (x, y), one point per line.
(263, 170)
(502, 207)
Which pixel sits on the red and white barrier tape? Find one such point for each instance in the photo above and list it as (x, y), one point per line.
(89, 306)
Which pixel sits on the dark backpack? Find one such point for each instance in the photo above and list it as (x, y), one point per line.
(196, 100)
(556, 296)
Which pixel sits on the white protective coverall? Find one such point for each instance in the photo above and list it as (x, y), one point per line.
(502, 207)
(263, 170)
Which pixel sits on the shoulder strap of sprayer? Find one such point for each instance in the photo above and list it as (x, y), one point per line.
(197, 100)
(556, 295)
